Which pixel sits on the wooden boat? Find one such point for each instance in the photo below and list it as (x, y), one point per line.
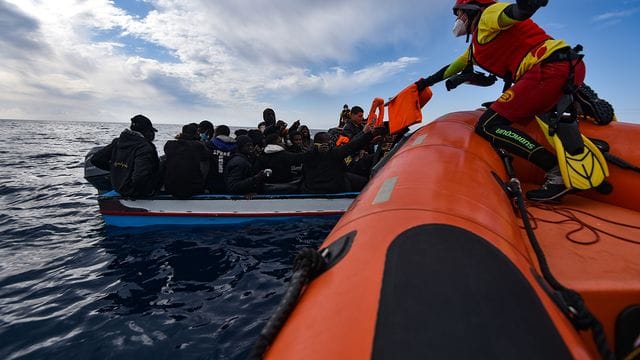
(209, 209)
(432, 260)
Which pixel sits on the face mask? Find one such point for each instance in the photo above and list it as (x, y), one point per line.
(460, 28)
(204, 137)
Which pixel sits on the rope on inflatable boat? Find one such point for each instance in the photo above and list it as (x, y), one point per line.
(307, 266)
(569, 300)
(569, 215)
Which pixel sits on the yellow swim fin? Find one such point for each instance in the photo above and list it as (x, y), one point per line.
(582, 171)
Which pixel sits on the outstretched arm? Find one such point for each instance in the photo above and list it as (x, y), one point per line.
(447, 71)
(524, 9)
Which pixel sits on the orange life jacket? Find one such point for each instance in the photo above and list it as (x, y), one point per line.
(342, 140)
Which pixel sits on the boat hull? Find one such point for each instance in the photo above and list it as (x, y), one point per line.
(218, 209)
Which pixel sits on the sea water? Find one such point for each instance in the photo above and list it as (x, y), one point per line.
(71, 288)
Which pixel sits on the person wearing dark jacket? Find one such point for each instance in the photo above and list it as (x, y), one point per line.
(325, 172)
(297, 145)
(239, 176)
(183, 171)
(258, 140)
(355, 124)
(221, 148)
(132, 159)
(279, 160)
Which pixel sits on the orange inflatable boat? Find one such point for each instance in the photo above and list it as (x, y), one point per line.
(434, 261)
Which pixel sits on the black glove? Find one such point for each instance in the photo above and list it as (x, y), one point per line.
(531, 5)
(435, 78)
(422, 84)
(425, 83)
(473, 78)
(481, 79)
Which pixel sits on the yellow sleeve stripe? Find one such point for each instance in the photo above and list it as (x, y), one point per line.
(457, 65)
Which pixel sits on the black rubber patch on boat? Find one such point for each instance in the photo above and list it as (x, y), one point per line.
(337, 250)
(627, 330)
(449, 294)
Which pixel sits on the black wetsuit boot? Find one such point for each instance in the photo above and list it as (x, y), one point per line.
(498, 131)
(599, 110)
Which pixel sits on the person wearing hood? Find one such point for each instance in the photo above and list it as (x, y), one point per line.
(205, 131)
(184, 176)
(239, 175)
(221, 148)
(132, 159)
(269, 117)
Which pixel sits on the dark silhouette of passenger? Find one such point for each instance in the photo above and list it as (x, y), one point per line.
(184, 174)
(132, 159)
(239, 174)
(269, 117)
(325, 170)
(222, 147)
(278, 159)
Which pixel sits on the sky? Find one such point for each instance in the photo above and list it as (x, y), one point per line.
(182, 61)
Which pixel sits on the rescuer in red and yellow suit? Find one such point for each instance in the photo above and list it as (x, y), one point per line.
(508, 44)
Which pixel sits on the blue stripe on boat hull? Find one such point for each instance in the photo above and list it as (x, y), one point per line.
(139, 221)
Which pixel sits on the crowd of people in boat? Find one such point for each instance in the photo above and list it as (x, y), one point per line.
(273, 158)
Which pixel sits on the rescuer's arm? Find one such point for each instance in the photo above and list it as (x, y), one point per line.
(446, 72)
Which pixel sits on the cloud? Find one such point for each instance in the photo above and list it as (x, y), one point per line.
(341, 80)
(185, 57)
(19, 32)
(614, 17)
